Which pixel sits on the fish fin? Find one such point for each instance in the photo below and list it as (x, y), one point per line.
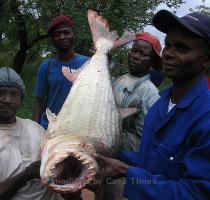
(98, 25)
(70, 74)
(100, 29)
(126, 112)
(51, 116)
(125, 39)
(52, 125)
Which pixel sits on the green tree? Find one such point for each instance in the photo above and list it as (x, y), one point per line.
(24, 23)
(202, 8)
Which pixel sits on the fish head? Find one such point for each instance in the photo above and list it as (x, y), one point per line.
(68, 164)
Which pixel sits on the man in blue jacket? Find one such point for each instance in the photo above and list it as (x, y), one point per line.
(174, 157)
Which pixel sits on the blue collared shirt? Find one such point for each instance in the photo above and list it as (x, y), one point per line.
(174, 158)
(51, 82)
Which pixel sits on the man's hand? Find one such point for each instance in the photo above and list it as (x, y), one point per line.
(110, 168)
(10, 186)
(33, 170)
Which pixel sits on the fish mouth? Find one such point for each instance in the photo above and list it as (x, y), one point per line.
(68, 170)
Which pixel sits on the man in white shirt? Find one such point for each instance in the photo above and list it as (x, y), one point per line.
(19, 145)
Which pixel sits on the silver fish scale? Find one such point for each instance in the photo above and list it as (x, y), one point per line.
(89, 110)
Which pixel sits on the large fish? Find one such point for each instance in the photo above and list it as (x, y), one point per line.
(88, 121)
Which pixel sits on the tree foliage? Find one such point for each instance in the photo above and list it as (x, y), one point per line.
(23, 23)
(202, 8)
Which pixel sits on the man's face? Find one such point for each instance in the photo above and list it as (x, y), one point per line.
(10, 99)
(63, 38)
(184, 55)
(140, 58)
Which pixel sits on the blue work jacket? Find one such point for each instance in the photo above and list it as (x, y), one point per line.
(174, 157)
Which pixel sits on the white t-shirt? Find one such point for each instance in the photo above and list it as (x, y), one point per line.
(19, 147)
(170, 105)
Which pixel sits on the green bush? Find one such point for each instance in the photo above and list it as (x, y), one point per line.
(29, 76)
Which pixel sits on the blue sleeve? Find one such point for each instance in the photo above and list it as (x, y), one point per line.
(194, 183)
(41, 80)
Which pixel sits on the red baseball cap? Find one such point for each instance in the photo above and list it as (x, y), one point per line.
(59, 20)
(153, 40)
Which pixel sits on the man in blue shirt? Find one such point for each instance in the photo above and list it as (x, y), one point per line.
(52, 87)
(174, 157)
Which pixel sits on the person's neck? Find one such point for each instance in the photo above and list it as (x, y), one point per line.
(180, 88)
(65, 56)
(140, 75)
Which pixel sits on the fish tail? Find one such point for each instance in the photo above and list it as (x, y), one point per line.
(100, 30)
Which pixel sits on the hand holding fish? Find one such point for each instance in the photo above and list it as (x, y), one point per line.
(33, 170)
(111, 168)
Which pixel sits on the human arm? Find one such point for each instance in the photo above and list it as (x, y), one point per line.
(38, 108)
(41, 91)
(112, 167)
(192, 183)
(10, 186)
(143, 97)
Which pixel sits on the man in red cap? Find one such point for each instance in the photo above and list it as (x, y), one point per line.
(52, 87)
(155, 72)
(135, 89)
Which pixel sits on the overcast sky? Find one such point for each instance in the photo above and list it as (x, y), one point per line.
(183, 10)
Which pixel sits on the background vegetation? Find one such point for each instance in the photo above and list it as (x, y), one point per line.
(23, 25)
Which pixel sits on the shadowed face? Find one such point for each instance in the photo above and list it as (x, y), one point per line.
(184, 55)
(10, 99)
(140, 58)
(62, 37)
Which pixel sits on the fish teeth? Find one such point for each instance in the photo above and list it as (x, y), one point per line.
(91, 167)
(52, 166)
(93, 174)
(78, 156)
(87, 181)
(85, 162)
(59, 160)
(50, 175)
(82, 159)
